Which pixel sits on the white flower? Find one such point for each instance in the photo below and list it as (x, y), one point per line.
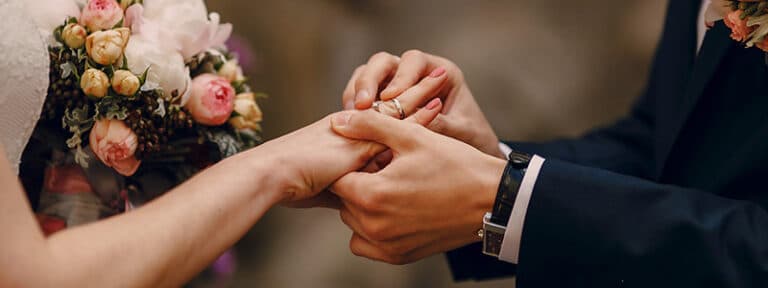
(185, 24)
(106, 47)
(166, 66)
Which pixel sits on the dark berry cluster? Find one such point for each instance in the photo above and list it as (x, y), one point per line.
(153, 130)
(63, 93)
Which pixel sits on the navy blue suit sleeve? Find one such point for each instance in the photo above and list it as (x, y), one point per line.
(625, 147)
(611, 230)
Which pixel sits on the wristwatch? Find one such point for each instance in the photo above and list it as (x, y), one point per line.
(495, 222)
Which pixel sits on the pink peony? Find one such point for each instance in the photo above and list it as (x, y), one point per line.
(115, 144)
(101, 15)
(739, 29)
(212, 100)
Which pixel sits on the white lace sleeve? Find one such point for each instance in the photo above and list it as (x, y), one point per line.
(23, 77)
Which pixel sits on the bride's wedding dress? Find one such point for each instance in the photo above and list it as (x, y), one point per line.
(23, 77)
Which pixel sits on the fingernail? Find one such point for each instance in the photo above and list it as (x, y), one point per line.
(433, 104)
(388, 91)
(340, 120)
(438, 72)
(361, 97)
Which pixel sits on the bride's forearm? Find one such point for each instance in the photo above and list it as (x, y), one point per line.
(168, 241)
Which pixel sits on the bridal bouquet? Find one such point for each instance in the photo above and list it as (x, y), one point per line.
(748, 21)
(149, 81)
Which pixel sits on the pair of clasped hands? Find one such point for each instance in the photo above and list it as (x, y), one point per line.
(407, 188)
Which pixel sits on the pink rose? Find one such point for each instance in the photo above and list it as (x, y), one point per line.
(101, 15)
(212, 100)
(115, 144)
(739, 29)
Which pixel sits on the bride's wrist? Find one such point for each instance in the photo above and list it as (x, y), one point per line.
(260, 173)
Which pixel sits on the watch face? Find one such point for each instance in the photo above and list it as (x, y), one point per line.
(492, 243)
(519, 160)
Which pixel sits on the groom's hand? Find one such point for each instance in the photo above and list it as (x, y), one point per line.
(431, 198)
(314, 157)
(396, 77)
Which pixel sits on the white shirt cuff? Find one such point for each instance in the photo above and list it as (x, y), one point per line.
(505, 149)
(510, 247)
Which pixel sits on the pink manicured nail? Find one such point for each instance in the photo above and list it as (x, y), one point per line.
(438, 72)
(433, 104)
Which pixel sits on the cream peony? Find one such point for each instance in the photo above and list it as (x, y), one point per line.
(184, 24)
(106, 47)
(166, 66)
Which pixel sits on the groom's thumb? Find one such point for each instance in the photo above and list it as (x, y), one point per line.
(372, 126)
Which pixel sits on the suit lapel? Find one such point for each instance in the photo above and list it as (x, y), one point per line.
(716, 44)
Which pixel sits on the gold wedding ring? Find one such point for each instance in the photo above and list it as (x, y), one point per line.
(392, 108)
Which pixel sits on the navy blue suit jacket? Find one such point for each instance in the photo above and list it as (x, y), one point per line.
(674, 195)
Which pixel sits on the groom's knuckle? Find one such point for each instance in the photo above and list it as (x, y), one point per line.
(397, 260)
(381, 56)
(362, 82)
(438, 125)
(413, 53)
(396, 248)
(371, 200)
(376, 232)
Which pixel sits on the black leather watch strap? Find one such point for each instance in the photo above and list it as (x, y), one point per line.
(509, 186)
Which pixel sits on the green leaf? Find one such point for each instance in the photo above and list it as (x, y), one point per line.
(160, 111)
(81, 158)
(143, 76)
(760, 32)
(78, 122)
(119, 24)
(226, 143)
(125, 63)
(68, 69)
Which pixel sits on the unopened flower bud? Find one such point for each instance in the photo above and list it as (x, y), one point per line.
(94, 83)
(125, 83)
(74, 35)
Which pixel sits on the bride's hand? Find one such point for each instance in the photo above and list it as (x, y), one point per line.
(309, 160)
(462, 118)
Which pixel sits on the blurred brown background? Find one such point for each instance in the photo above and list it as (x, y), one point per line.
(539, 69)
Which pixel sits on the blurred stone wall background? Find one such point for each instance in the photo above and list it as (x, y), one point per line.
(539, 69)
